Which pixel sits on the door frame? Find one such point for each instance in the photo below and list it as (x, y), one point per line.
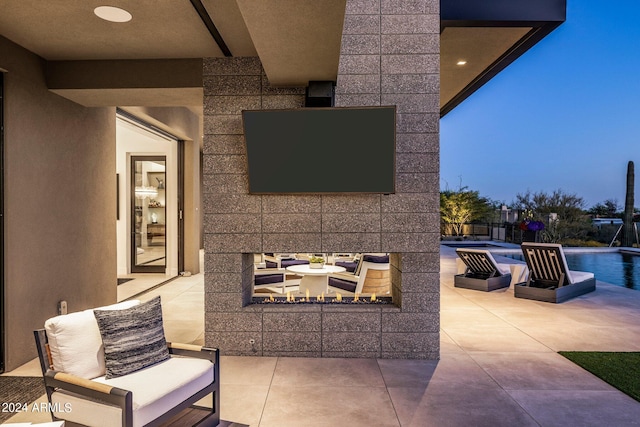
(181, 155)
(2, 322)
(134, 120)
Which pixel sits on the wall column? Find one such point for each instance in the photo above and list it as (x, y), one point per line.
(389, 56)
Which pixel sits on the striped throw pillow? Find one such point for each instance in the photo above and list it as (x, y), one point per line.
(133, 338)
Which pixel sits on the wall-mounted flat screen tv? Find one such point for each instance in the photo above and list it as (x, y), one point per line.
(321, 150)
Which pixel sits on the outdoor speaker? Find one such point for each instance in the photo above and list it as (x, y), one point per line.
(320, 94)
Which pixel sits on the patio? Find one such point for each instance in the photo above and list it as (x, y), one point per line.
(499, 366)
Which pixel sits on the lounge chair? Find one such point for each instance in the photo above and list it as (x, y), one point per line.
(270, 274)
(371, 275)
(550, 279)
(482, 272)
(268, 277)
(273, 260)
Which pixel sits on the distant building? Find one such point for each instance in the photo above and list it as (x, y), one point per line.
(508, 215)
(599, 222)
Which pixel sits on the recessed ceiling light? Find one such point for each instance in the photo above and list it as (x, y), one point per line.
(112, 14)
(461, 62)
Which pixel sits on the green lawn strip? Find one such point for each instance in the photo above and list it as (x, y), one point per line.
(620, 369)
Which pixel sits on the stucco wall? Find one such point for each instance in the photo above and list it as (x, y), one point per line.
(60, 200)
(389, 55)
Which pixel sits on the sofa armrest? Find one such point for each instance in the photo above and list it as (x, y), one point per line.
(261, 271)
(191, 350)
(195, 351)
(54, 380)
(181, 346)
(345, 275)
(72, 380)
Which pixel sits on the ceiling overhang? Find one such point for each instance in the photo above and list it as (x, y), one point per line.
(150, 60)
(151, 82)
(488, 35)
(297, 40)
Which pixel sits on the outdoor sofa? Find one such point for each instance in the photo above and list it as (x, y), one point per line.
(112, 367)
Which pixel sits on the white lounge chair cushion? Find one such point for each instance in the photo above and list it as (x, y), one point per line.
(76, 344)
(519, 273)
(504, 268)
(579, 276)
(155, 390)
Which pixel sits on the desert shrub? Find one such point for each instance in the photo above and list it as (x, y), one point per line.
(582, 243)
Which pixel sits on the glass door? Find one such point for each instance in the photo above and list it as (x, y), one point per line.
(148, 216)
(2, 325)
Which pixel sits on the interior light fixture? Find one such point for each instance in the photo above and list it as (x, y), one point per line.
(143, 192)
(461, 62)
(112, 14)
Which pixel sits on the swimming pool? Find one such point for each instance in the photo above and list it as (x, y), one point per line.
(470, 245)
(617, 268)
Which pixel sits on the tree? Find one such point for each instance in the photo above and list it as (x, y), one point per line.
(627, 234)
(569, 207)
(463, 206)
(608, 209)
(571, 221)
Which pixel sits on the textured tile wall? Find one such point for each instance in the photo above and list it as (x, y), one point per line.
(389, 56)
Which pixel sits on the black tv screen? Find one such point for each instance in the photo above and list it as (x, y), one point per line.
(321, 150)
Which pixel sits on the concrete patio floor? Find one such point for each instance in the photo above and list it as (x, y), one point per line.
(508, 348)
(499, 366)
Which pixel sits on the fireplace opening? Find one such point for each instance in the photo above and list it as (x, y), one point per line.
(321, 278)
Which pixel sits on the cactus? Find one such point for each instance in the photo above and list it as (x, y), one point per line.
(628, 231)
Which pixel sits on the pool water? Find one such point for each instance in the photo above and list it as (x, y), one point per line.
(617, 268)
(470, 245)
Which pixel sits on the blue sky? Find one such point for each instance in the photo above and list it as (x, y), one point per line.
(565, 115)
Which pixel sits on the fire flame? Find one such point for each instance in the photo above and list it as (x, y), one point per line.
(322, 298)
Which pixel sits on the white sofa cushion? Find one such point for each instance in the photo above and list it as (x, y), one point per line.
(155, 390)
(76, 344)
